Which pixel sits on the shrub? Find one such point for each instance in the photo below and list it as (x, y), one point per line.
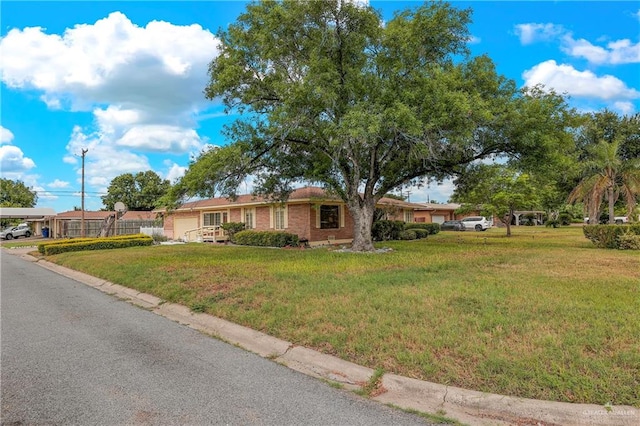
(97, 244)
(564, 218)
(609, 236)
(386, 230)
(432, 228)
(266, 238)
(409, 234)
(420, 232)
(629, 241)
(42, 246)
(232, 228)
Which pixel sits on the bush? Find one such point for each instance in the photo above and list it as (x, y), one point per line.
(564, 218)
(232, 228)
(266, 239)
(629, 241)
(420, 232)
(97, 244)
(609, 236)
(409, 234)
(432, 228)
(386, 230)
(42, 246)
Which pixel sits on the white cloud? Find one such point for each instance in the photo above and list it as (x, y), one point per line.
(175, 172)
(623, 51)
(12, 160)
(624, 108)
(160, 138)
(5, 135)
(134, 79)
(58, 184)
(566, 79)
(103, 162)
(532, 32)
(616, 52)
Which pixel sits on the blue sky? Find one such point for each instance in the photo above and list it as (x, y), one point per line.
(124, 80)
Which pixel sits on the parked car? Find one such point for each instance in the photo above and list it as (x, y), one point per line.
(452, 225)
(479, 223)
(21, 230)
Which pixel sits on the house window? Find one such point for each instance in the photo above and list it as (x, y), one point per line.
(279, 217)
(250, 218)
(215, 219)
(408, 216)
(329, 217)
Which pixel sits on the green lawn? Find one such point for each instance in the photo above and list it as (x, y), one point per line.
(543, 314)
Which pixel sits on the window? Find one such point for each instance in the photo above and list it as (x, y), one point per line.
(249, 217)
(215, 219)
(279, 217)
(329, 217)
(408, 216)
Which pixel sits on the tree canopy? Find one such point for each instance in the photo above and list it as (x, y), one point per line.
(139, 192)
(329, 93)
(497, 190)
(16, 194)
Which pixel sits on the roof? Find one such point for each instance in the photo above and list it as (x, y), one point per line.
(26, 212)
(436, 206)
(306, 194)
(102, 214)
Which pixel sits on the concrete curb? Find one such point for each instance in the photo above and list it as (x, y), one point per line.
(466, 406)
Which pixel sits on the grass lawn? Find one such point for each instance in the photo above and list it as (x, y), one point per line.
(542, 315)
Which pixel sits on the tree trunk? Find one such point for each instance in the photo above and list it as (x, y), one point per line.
(612, 201)
(362, 212)
(509, 219)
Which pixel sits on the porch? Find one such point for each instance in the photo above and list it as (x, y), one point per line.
(205, 234)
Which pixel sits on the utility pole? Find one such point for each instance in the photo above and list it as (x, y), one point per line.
(82, 233)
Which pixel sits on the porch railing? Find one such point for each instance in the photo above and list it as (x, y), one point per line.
(211, 234)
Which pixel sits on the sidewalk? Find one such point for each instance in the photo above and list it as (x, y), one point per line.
(465, 406)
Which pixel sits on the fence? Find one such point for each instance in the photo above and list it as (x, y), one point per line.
(73, 228)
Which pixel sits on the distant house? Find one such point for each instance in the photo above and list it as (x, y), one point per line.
(101, 223)
(309, 212)
(436, 213)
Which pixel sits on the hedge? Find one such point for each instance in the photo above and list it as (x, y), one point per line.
(96, 244)
(433, 228)
(420, 232)
(386, 230)
(613, 236)
(232, 228)
(41, 246)
(266, 239)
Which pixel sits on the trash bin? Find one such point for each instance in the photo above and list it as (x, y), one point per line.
(45, 232)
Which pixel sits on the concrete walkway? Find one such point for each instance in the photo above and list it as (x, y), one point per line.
(465, 406)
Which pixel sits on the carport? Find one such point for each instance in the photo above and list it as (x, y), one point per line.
(40, 217)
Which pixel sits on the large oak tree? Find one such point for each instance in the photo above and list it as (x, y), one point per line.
(328, 93)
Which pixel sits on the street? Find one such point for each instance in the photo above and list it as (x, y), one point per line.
(72, 355)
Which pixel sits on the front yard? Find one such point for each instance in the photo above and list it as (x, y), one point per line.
(543, 314)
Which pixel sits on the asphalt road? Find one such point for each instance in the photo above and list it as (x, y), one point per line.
(72, 355)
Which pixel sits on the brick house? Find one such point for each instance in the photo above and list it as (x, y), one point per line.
(437, 213)
(309, 212)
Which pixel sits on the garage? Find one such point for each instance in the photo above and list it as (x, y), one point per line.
(183, 224)
(436, 218)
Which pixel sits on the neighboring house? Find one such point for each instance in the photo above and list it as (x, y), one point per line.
(105, 223)
(310, 213)
(436, 213)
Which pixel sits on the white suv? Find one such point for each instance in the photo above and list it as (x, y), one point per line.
(479, 223)
(21, 230)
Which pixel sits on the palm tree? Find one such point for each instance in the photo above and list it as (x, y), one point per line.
(608, 177)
